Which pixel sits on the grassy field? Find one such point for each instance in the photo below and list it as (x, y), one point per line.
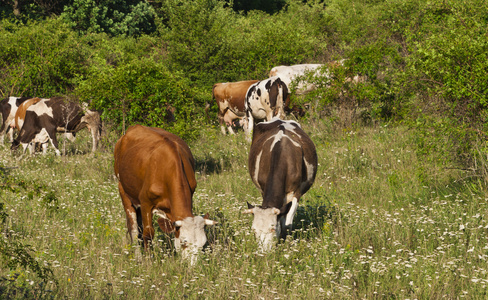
(377, 223)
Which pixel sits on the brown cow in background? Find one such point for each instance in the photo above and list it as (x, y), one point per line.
(230, 98)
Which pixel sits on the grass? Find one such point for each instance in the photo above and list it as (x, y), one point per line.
(377, 223)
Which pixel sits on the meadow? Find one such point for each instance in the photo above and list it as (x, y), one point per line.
(378, 223)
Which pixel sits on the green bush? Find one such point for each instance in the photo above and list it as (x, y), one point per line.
(40, 58)
(133, 89)
(114, 17)
(447, 71)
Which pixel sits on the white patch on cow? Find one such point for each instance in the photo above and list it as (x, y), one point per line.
(192, 237)
(291, 213)
(13, 109)
(134, 232)
(310, 170)
(280, 135)
(256, 169)
(289, 74)
(41, 108)
(266, 227)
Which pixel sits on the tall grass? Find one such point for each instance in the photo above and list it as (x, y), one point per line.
(377, 223)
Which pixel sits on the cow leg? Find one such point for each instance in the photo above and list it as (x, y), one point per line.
(147, 226)
(69, 136)
(131, 214)
(229, 118)
(222, 129)
(95, 137)
(51, 133)
(231, 131)
(26, 146)
(2, 134)
(133, 220)
(10, 132)
(288, 222)
(44, 148)
(249, 126)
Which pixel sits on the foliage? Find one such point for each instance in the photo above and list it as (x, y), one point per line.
(114, 17)
(424, 63)
(16, 255)
(134, 89)
(40, 60)
(211, 43)
(447, 70)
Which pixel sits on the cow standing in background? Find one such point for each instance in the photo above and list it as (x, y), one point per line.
(230, 98)
(282, 165)
(290, 73)
(8, 108)
(265, 100)
(49, 116)
(156, 172)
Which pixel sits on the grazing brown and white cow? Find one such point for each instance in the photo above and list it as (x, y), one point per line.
(265, 100)
(156, 172)
(8, 108)
(46, 117)
(230, 98)
(283, 165)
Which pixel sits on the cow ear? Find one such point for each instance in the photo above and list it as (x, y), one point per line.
(166, 225)
(285, 209)
(208, 221)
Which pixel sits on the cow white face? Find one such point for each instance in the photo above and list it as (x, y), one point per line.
(265, 226)
(192, 236)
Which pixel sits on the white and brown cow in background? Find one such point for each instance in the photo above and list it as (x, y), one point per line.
(47, 117)
(8, 108)
(283, 165)
(294, 74)
(265, 100)
(290, 74)
(156, 172)
(230, 98)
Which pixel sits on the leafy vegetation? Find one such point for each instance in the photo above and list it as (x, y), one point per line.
(398, 205)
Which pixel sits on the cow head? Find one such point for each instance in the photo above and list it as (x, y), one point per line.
(266, 224)
(190, 237)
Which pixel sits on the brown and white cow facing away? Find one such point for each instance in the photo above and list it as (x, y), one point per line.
(282, 164)
(156, 173)
(230, 98)
(265, 100)
(8, 108)
(46, 117)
